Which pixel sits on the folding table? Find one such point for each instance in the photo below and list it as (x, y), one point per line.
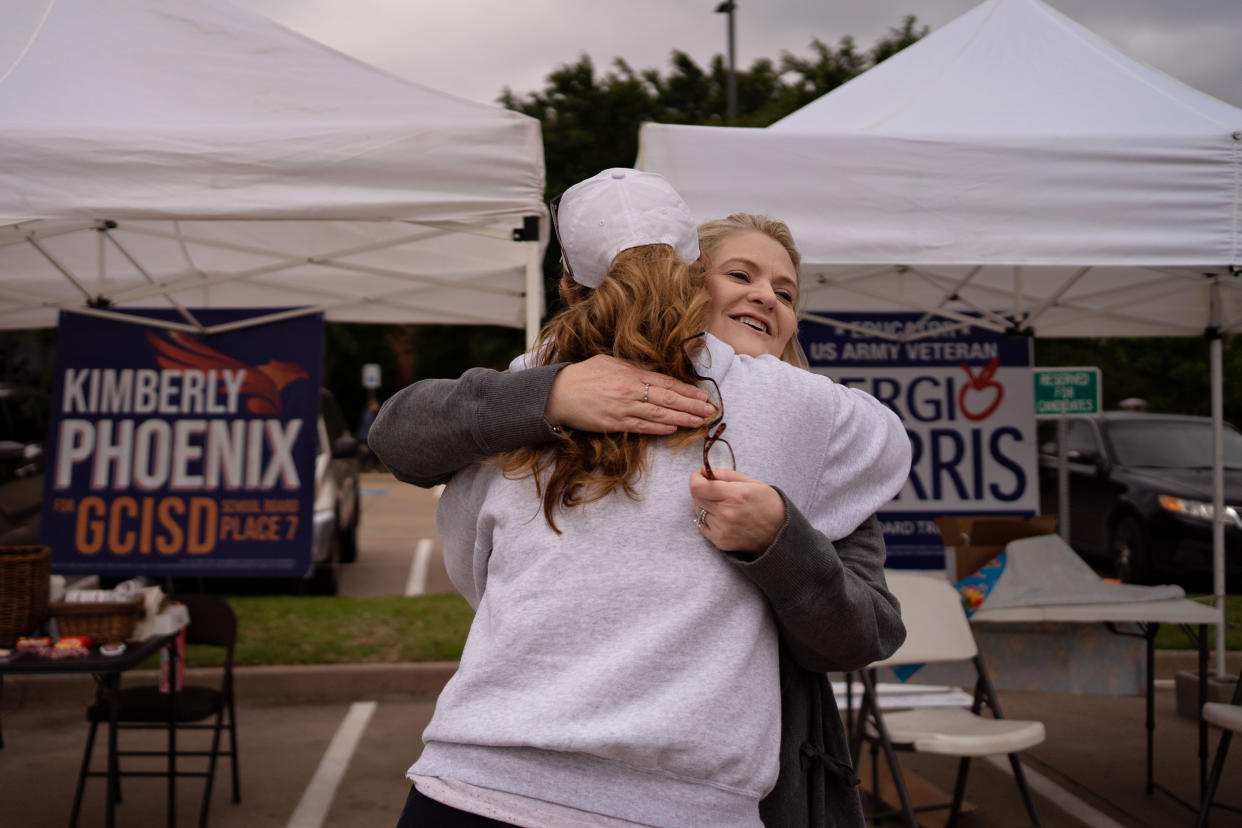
(107, 671)
(1148, 615)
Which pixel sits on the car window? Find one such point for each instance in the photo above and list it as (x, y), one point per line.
(1171, 444)
(1046, 436)
(332, 416)
(1080, 437)
(23, 414)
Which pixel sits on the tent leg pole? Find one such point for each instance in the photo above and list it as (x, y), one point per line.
(1063, 509)
(534, 292)
(1218, 498)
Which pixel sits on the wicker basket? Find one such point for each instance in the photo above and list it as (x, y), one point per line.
(100, 621)
(25, 572)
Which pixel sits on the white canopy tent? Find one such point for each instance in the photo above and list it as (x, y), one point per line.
(1011, 165)
(158, 153)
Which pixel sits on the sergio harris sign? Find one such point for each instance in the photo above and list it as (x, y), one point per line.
(173, 454)
(965, 396)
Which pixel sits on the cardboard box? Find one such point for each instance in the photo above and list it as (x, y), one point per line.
(970, 541)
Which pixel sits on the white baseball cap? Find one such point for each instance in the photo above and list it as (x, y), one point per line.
(615, 210)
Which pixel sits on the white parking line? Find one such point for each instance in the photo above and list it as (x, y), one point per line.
(1054, 793)
(318, 796)
(416, 581)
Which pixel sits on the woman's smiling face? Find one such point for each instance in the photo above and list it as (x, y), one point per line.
(754, 294)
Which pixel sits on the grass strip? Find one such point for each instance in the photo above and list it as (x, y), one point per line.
(288, 629)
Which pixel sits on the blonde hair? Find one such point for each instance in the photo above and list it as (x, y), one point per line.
(712, 234)
(649, 304)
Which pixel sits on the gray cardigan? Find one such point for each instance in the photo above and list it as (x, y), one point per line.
(829, 599)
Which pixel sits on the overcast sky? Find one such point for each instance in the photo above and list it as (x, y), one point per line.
(474, 48)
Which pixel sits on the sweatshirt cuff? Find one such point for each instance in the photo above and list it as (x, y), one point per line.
(800, 554)
(511, 406)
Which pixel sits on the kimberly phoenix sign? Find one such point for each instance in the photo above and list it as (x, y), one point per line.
(965, 397)
(173, 454)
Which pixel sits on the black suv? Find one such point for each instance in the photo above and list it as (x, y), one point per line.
(1140, 493)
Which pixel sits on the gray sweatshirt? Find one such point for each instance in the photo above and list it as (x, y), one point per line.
(434, 428)
(603, 661)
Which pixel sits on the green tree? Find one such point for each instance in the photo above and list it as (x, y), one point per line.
(897, 39)
(1171, 374)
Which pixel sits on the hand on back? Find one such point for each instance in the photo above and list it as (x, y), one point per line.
(603, 394)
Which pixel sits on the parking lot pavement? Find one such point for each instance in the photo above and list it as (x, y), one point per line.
(1089, 771)
(281, 749)
(398, 550)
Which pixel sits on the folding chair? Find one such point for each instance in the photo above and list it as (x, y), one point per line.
(213, 623)
(937, 631)
(1228, 717)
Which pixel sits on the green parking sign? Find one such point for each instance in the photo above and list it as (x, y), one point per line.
(1066, 391)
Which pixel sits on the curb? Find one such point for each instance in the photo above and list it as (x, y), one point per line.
(407, 682)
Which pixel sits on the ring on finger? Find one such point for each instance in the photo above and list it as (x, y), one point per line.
(646, 390)
(701, 518)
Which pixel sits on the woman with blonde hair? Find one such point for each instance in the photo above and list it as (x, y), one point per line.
(621, 670)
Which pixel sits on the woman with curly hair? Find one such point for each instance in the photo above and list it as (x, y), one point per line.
(636, 632)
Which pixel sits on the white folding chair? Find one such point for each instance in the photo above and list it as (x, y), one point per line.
(937, 631)
(1228, 717)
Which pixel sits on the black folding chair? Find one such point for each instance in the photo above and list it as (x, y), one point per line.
(212, 623)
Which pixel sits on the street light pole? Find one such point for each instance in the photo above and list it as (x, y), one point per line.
(728, 7)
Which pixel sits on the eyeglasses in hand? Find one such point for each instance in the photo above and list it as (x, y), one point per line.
(716, 449)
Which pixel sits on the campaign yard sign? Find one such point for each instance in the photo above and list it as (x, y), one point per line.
(172, 454)
(965, 396)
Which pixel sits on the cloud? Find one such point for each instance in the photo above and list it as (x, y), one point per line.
(477, 48)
